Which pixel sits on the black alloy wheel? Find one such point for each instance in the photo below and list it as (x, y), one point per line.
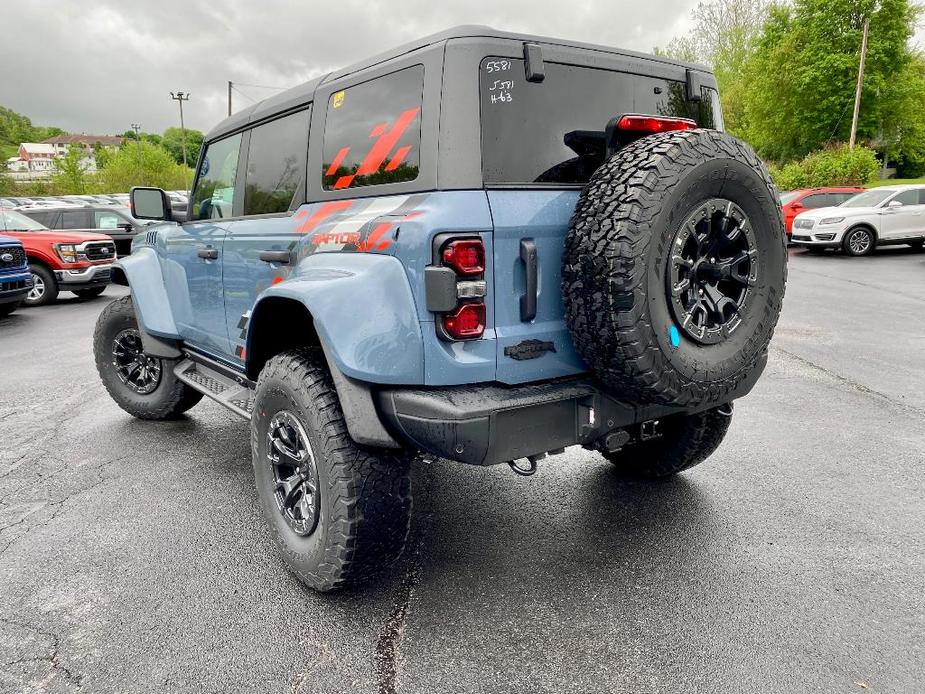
(137, 370)
(295, 474)
(713, 266)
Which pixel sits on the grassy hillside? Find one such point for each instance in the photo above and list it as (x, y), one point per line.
(16, 128)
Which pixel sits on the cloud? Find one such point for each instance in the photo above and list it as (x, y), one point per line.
(100, 66)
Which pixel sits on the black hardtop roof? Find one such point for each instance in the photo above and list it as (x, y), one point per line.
(304, 93)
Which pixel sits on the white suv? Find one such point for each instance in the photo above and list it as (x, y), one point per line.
(877, 217)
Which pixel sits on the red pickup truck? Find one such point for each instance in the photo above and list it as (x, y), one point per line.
(73, 261)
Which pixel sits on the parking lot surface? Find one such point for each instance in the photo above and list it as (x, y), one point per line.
(133, 556)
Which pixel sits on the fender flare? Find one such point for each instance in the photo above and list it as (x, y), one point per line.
(363, 312)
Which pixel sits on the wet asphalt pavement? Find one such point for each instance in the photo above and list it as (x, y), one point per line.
(133, 556)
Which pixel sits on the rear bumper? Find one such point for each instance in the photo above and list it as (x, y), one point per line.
(84, 278)
(489, 424)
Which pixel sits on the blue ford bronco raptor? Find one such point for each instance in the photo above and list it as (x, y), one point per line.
(480, 245)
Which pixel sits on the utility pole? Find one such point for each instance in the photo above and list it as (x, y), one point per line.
(229, 97)
(181, 97)
(857, 93)
(141, 169)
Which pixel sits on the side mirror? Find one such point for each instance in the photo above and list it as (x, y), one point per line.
(150, 203)
(894, 204)
(796, 205)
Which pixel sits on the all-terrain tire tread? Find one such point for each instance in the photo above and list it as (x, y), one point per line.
(604, 275)
(369, 489)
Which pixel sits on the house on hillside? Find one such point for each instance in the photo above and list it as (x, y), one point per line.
(62, 143)
(38, 156)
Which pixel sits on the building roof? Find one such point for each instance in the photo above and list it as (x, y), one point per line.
(105, 140)
(37, 148)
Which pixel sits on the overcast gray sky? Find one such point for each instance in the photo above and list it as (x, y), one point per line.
(99, 66)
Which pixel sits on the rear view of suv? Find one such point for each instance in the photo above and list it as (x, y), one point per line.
(482, 245)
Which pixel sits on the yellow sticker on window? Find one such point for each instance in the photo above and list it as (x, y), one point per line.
(338, 99)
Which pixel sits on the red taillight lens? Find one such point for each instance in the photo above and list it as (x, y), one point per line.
(467, 257)
(468, 322)
(654, 124)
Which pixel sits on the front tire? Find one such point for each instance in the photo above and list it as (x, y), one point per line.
(858, 242)
(339, 512)
(142, 385)
(684, 441)
(44, 286)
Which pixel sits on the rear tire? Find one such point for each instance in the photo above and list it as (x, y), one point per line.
(44, 286)
(90, 293)
(142, 385)
(858, 242)
(685, 441)
(339, 512)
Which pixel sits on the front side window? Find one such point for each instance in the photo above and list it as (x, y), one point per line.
(372, 131)
(107, 220)
(811, 202)
(275, 164)
(213, 197)
(908, 197)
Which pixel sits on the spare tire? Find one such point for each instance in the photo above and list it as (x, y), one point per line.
(674, 268)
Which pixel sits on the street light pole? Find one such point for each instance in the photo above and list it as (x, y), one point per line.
(181, 97)
(857, 92)
(141, 169)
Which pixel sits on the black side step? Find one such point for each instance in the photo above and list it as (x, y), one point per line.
(218, 385)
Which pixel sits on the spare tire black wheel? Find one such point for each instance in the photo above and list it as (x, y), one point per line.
(674, 268)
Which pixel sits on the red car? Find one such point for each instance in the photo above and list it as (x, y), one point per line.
(73, 261)
(796, 201)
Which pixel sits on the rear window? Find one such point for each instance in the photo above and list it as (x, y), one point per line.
(372, 131)
(551, 132)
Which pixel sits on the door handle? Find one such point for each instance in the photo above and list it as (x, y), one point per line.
(208, 253)
(281, 257)
(528, 299)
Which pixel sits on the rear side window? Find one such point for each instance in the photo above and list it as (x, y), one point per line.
(276, 164)
(552, 132)
(372, 131)
(74, 219)
(213, 197)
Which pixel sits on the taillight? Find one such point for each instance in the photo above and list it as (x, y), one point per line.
(466, 323)
(467, 256)
(654, 124)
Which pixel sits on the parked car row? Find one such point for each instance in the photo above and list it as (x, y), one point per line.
(104, 214)
(73, 261)
(855, 220)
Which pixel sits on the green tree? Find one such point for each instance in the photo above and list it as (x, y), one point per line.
(801, 77)
(725, 37)
(158, 168)
(172, 141)
(72, 177)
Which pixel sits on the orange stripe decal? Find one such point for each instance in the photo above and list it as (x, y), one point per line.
(323, 212)
(338, 160)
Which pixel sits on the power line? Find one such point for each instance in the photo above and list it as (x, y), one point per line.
(261, 86)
